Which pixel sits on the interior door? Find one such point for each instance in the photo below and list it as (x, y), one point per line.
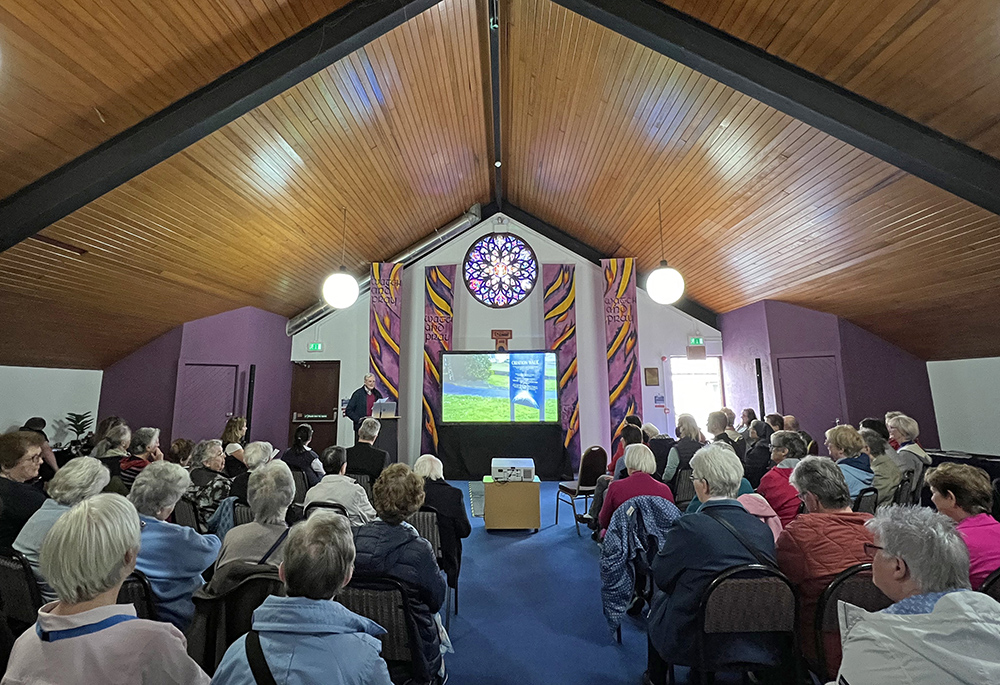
(810, 390)
(316, 401)
(206, 398)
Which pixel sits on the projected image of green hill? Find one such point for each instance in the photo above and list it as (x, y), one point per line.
(465, 408)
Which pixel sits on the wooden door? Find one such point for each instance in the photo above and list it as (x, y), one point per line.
(206, 398)
(316, 401)
(810, 390)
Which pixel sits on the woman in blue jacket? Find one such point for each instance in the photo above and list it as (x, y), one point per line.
(846, 444)
(172, 557)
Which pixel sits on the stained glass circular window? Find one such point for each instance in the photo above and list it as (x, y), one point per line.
(500, 269)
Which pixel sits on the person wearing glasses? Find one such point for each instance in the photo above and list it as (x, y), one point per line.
(20, 458)
(787, 447)
(937, 630)
(820, 544)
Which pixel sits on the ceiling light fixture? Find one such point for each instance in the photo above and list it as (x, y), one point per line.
(340, 290)
(664, 285)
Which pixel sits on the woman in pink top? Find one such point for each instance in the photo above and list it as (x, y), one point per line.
(787, 447)
(640, 464)
(964, 494)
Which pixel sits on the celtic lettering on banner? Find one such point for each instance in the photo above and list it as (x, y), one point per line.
(622, 335)
(385, 327)
(559, 282)
(439, 298)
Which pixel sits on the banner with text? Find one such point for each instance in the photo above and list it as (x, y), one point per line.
(622, 335)
(439, 297)
(559, 281)
(385, 327)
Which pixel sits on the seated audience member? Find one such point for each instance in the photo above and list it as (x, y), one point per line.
(739, 443)
(640, 465)
(304, 636)
(300, 457)
(934, 633)
(392, 547)
(262, 540)
(775, 421)
(256, 455)
(889, 415)
(910, 457)
(887, 474)
(846, 447)
(36, 424)
(691, 554)
(878, 425)
(86, 636)
(114, 447)
(716, 427)
(20, 457)
(600, 489)
(209, 484)
(180, 452)
(630, 436)
(338, 488)
(820, 544)
(792, 424)
(964, 494)
(684, 449)
(759, 455)
(364, 457)
(172, 557)
(630, 420)
(79, 479)
(98, 446)
(660, 445)
(786, 450)
(232, 445)
(453, 520)
(746, 420)
(144, 449)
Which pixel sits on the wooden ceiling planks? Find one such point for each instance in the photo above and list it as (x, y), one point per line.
(755, 204)
(252, 215)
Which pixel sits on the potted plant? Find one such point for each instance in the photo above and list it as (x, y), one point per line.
(79, 423)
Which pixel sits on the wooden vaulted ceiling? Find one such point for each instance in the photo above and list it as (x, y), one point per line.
(596, 129)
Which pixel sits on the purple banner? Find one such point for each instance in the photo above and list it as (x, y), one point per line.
(622, 335)
(439, 296)
(559, 281)
(385, 327)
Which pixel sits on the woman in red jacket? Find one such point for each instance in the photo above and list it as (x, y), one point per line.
(640, 464)
(787, 447)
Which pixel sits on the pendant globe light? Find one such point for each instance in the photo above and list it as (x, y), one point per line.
(340, 290)
(664, 285)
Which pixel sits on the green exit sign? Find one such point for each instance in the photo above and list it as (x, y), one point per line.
(315, 347)
(697, 341)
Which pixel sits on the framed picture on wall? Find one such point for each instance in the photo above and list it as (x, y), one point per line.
(652, 375)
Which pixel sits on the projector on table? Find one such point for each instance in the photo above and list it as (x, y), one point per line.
(512, 470)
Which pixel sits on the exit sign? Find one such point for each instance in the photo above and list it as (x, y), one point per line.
(697, 341)
(315, 347)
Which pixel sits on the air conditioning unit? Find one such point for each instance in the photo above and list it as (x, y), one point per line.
(512, 470)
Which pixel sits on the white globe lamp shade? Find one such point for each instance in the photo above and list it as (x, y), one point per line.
(340, 290)
(665, 285)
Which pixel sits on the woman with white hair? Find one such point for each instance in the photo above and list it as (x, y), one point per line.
(453, 519)
(85, 636)
(79, 479)
(936, 631)
(261, 541)
(114, 447)
(144, 449)
(172, 557)
(910, 457)
(209, 483)
(640, 464)
(255, 455)
(695, 550)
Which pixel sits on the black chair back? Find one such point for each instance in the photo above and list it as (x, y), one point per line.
(866, 500)
(683, 488)
(301, 485)
(20, 598)
(996, 499)
(137, 591)
(426, 523)
(991, 586)
(751, 598)
(336, 507)
(904, 492)
(186, 514)
(242, 514)
(593, 465)
(365, 481)
(853, 586)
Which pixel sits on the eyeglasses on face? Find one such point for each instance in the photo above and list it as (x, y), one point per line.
(871, 549)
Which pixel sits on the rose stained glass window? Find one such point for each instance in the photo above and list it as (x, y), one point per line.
(500, 270)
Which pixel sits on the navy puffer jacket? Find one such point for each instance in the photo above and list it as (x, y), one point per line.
(400, 552)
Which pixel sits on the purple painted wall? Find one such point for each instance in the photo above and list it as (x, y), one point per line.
(143, 388)
(879, 377)
(140, 388)
(745, 338)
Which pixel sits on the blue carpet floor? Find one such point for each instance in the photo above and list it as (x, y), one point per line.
(531, 609)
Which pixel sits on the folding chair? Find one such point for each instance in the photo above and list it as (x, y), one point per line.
(301, 485)
(683, 488)
(242, 514)
(186, 514)
(853, 586)
(137, 591)
(866, 500)
(336, 507)
(20, 598)
(991, 586)
(593, 464)
(904, 491)
(365, 481)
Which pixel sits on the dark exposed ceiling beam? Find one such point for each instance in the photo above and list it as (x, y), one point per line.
(190, 119)
(913, 147)
(494, 33)
(690, 307)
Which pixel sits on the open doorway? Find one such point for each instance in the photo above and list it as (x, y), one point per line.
(697, 386)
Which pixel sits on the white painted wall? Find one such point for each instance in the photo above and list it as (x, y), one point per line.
(663, 331)
(966, 394)
(50, 393)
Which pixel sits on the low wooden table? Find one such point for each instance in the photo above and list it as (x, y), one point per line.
(512, 506)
